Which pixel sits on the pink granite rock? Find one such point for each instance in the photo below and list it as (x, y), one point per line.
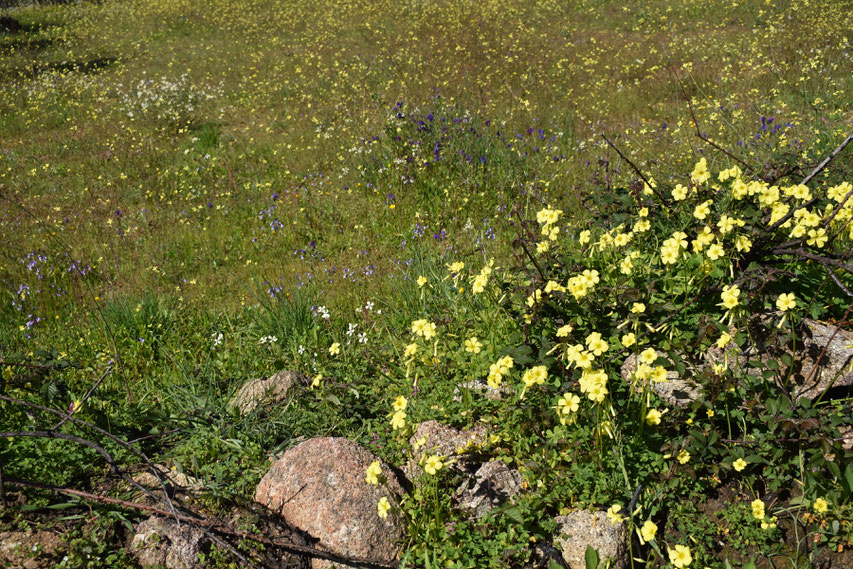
(319, 487)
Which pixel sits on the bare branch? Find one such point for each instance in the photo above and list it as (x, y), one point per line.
(635, 168)
(707, 140)
(827, 160)
(85, 397)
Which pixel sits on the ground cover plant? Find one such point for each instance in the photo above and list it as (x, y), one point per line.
(574, 204)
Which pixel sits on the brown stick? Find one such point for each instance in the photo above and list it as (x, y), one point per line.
(635, 168)
(705, 138)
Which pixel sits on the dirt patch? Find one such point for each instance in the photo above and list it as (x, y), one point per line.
(29, 549)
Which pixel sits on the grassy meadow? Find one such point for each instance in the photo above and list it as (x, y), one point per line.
(393, 197)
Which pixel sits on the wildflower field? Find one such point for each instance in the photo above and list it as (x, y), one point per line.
(603, 231)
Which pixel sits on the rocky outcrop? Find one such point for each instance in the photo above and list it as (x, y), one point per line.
(826, 359)
(319, 487)
(434, 438)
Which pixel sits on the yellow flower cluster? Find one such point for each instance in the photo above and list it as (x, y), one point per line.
(757, 509)
(433, 464)
(482, 279)
(581, 285)
(730, 296)
(671, 248)
(680, 556)
(593, 383)
(596, 344)
(613, 514)
(374, 471)
(647, 532)
(700, 173)
(423, 328)
(498, 370)
(548, 218)
(534, 376)
(383, 507)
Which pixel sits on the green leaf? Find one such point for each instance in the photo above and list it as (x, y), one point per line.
(848, 479)
(591, 558)
(834, 469)
(333, 399)
(514, 513)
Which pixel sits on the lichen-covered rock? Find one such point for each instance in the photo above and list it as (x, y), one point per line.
(434, 438)
(319, 487)
(161, 542)
(265, 391)
(493, 484)
(446, 441)
(822, 356)
(582, 528)
(826, 358)
(481, 388)
(676, 390)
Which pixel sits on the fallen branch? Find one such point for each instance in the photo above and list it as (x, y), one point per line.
(213, 525)
(124, 444)
(827, 160)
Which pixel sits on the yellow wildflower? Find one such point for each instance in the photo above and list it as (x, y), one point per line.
(680, 556)
(383, 506)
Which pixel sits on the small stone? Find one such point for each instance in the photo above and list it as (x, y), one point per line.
(446, 442)
(482, 388)
(161, 542)
(168, 477)
(265, 391)
(491, 486)
(582, 528)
